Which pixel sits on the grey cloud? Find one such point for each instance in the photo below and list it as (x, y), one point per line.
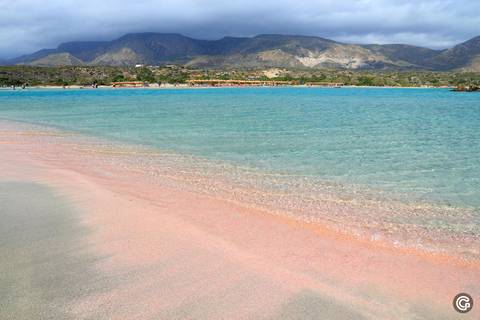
(27, 26)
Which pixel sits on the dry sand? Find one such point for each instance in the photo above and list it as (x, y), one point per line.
(79, 240)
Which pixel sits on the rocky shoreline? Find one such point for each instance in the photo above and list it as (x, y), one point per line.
(467, 89)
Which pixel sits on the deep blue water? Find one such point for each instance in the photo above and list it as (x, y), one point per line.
(422, 142)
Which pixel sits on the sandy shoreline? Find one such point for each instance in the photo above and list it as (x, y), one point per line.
(185, 86)
(137, 250)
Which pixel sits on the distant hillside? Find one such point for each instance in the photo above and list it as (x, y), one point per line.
(57, 59)
(75, 48)
(402, 54)
(262, 51)
(146, 48)
(463, 57)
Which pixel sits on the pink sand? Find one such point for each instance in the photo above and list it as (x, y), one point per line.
(169, 254)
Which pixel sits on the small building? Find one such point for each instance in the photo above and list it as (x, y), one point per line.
(173, 66)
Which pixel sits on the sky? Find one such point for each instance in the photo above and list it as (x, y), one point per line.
(27, 26)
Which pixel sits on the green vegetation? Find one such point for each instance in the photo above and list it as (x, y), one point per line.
(365, 81)
(146, 75)
(105, 75)
(4, 81)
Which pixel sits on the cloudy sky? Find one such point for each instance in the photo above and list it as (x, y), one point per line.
(30, 25)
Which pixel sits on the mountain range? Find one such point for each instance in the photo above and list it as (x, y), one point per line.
(262, 51)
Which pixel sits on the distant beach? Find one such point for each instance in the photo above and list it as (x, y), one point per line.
(185, 85)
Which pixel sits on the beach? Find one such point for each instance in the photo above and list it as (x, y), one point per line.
(86, 239)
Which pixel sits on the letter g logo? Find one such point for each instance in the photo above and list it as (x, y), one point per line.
(463, 302)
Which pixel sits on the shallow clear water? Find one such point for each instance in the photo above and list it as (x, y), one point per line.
(423, 143)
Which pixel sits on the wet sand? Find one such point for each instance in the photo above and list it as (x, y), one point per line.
(42, 246)
(85, 240)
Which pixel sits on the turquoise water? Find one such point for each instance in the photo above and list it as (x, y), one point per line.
(423, 143)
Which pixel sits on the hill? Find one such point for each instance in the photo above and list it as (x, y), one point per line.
(57, 59)
(77, 49)
(262, 51)
(464, 57)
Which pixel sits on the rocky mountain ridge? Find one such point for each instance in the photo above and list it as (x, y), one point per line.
(262, 51)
